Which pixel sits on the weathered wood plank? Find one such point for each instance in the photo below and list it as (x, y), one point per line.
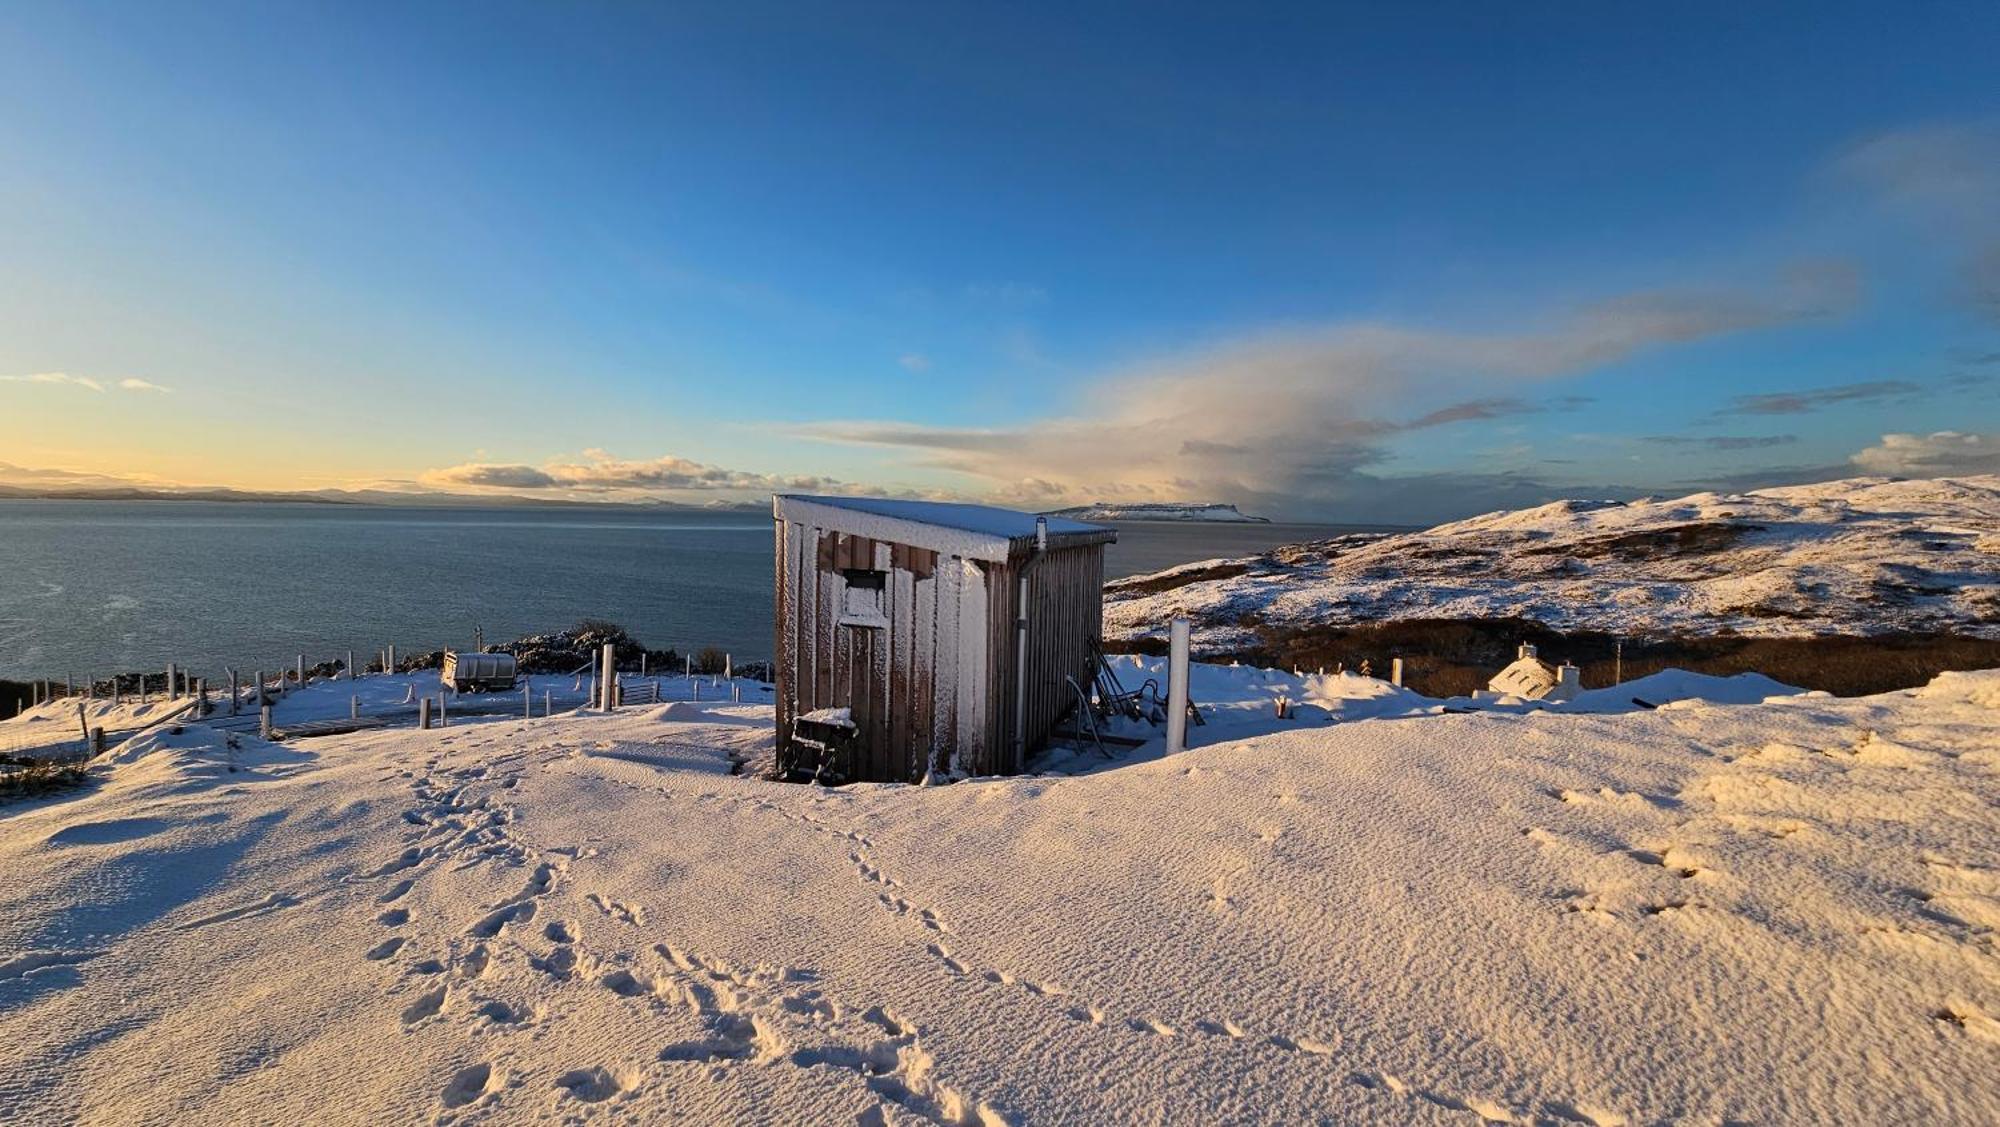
(923, 666)
(902, 610)
(782, 657)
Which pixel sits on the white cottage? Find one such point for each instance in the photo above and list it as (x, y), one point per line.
(1531, 678)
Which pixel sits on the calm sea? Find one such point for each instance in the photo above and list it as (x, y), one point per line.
(96, 586)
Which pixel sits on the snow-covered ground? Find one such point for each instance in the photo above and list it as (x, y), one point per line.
(1776, 912)
(1864, 556)
(376, 695)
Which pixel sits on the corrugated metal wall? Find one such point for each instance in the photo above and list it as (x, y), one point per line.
(934, 688)
(1065, 625)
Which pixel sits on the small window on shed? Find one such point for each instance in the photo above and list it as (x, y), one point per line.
(864, 605)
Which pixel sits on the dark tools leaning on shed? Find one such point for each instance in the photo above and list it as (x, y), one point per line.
(949, 634)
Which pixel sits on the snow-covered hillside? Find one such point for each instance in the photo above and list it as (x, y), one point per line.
(1868, 555)
(1105, 510)
(1780, 912)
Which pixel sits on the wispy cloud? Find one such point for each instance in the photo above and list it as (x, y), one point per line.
(1812, 399)
(1943, 178)
(914, 362)
(62, 378)
(1723, 442)
(88, 383)
(1297, 419)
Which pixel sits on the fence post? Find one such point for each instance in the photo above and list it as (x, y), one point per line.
(354, 708)
(389, 662)
(1177, 686)
(444, 721)
(96, 742)
(117, 691)
(527, 702)
(548, 704)
(610, 681)
(264, 721)
(1396, 672)
(302, 671)
(424, 712)
(172, 692)
(642, 663)
(262, 700)
(83, 719)
(234, 705)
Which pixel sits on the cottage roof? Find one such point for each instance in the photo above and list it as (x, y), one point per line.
(981, 532)
(1529, 677)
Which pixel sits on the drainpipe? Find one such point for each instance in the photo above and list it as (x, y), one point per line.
(1021, 643)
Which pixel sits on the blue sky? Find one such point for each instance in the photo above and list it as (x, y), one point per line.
(1364, 263)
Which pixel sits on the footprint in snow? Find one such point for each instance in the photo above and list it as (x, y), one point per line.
(467, 1085)
(595, 1085)
(428, 1004)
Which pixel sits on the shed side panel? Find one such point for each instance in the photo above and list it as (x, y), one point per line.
(825, 614)
(923, 680)
(972, 713)
(1003, 584)
(902, 601)
(782, 614)
(947, 659)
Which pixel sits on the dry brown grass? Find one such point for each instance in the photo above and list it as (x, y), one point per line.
(40, 778)
(1154, 584)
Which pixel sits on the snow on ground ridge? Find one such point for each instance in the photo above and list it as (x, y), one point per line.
(1861, 556)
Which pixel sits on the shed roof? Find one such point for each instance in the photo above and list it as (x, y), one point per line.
(980, 532)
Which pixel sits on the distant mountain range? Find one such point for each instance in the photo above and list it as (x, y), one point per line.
(1216, 513)
(356, 497)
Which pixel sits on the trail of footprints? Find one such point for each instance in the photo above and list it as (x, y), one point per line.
(1097, 1016)
(773, 1016)
(763, 1015)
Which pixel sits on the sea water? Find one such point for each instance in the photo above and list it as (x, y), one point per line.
(92, 587)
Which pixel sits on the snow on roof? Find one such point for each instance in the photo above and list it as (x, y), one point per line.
(1529, 677)
(981, 532)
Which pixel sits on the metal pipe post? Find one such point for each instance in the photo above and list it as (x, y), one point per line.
(1177, 686)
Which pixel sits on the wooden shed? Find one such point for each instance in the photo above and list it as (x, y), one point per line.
(921, 638)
